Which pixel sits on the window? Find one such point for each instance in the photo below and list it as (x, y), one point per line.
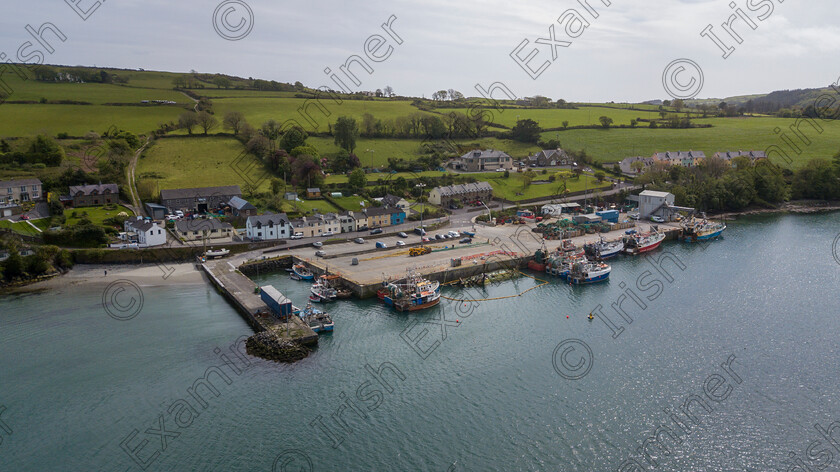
(23, 188)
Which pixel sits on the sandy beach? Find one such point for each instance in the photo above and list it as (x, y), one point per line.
(144, 275)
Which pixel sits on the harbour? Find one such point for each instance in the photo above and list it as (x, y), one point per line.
(459, 394)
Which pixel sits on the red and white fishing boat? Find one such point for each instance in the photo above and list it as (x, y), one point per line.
(638, 243)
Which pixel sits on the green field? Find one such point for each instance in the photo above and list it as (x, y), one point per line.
(199, 162)
(554, 118)
(728, 134)
(260, 110)
(96, 214)
(30, 120)
(512, 188)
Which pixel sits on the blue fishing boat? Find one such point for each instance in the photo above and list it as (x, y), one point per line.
(702, 230)
(301, 272)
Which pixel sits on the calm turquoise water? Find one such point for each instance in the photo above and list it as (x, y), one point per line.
(77, 383)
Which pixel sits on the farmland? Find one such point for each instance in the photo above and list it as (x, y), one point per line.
(513, 187)
(29, 120)
(728, 134)
(196, 162)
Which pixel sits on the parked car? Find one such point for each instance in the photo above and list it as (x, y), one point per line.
(318, 244)
(24, 217)
(420, 231)
(359, 241)
(465, 241)
(657, 219)
(437, 236)
(453, 234)
(425, 239)
(500, 170)
(400, 243)
(381, 245)
(297, 236)
(633, 216)
(171, 217)
(327, 233)
(402, 234)
(320, 253)
(376, 231)
(179, 213)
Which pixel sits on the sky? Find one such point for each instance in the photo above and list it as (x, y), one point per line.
(433, 44)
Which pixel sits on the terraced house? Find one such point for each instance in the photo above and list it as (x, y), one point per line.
(196, 230)
(21, 190)
(444, 196)
(680, 158)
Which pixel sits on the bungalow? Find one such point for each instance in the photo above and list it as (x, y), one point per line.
(198, 229)
(148, 232)
(313, 192)
(629, 168)
(268, 227)
(99, 194)
(551, 157)
(240, 207)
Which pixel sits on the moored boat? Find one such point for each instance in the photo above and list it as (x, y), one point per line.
(323, 288)
(302, 271)
(588, 272)
(701, 230)
(638, 243)
(410, 294)
(603, 249)
(317, 320)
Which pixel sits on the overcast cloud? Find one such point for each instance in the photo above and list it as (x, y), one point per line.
(447, 44)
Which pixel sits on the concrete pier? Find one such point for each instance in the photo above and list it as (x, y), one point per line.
(239, 289)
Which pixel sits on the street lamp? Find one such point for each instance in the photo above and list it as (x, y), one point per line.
(423, 207)
(489, 215)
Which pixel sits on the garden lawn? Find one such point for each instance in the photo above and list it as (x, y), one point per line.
(20, 227)
(352, 203)
(96, 214)
(509, 188)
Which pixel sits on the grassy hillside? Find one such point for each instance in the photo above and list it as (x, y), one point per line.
(196, 162)
(727, 134)
(30, 120)
(260, 110)
(554, 118)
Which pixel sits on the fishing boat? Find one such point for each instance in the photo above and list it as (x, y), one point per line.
(317, 320)
(638, 243)
(323, 288)
(410, 294)
(588, 272)
(701, 229)
(302, 271)
(560, 263)
(603, 249)
(216, 252)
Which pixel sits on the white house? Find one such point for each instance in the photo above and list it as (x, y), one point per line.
(148, 232)
(652, 202)
(347, 221)
(268, 227)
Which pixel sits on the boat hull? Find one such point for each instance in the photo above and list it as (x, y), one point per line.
(589, 280)
(533, 265)
(415, 307)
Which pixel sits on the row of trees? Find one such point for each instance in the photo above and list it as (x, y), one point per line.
(40, 150)
(716, 185)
